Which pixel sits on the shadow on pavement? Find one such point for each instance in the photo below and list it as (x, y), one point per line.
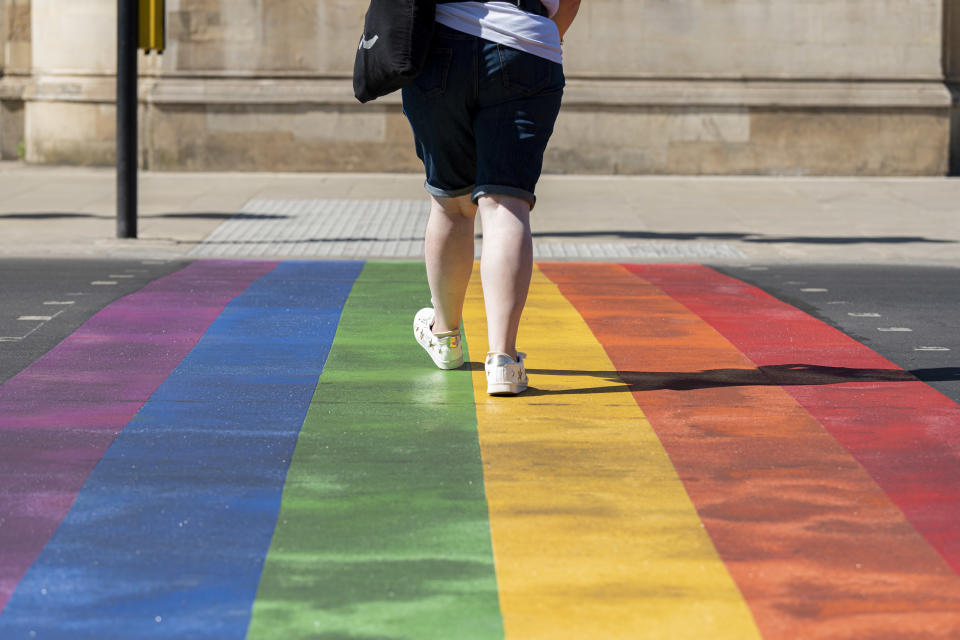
(784, 375)
(743, 237)
(63, 215)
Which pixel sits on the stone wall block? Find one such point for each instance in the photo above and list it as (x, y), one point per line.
(753, 141)
(70, 133)
(3, 35)
(757, 38)
(16, 36)
(867, 142)
(75, 36)
(282, 138)
(11, 129)
(955, 132)
(305, 36)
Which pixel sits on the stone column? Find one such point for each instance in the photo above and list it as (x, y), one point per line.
(15, 62)
(71, 104)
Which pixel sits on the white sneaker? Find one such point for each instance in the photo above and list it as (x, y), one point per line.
(445, 348)
(505, 376)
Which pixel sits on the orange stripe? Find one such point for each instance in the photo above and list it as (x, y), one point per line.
(814, 544)
(593, 533)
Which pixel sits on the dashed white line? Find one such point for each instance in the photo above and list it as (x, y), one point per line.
(51, 303)
(931, 349)
(838, 302)
(76, 293)
(795, 282)
(814, 290)
(121, 275)
(100, 283)
(864, 315)
(41, 320)
(904, 329)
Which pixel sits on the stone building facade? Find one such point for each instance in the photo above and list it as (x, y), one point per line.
(782, 87)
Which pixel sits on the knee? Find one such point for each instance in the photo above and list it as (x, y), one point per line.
(454, 208)
(494, 207)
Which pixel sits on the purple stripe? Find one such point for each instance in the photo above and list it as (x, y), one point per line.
(59, 415)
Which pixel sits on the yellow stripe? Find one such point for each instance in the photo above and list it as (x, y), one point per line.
(593, 533)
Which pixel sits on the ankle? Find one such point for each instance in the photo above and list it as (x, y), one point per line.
(442, 332)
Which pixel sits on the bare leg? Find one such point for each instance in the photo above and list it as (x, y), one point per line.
(449, 256)
(505, 268)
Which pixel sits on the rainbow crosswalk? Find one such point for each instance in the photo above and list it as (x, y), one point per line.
(248, 449)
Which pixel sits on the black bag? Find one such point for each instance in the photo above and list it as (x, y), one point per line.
(394, 46)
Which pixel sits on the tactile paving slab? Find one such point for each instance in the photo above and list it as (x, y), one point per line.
(392, 229)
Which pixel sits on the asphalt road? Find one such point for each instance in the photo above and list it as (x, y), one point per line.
(907, 314)
(191, 478)
(43, 301)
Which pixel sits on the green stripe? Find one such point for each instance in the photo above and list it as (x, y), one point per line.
(383, 531)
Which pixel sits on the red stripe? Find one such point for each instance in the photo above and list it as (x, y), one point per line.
(903, 432)
(816, 547)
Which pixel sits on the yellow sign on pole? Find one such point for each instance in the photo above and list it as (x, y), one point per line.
(152, 20)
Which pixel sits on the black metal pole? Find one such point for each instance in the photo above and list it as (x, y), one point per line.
(127, 36)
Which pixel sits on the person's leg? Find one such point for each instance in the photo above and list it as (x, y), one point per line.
(449, 250)
(506, 267)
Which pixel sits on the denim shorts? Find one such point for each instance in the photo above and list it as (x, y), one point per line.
(481, 115)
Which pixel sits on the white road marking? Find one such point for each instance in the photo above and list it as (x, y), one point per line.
(59, 302)
(76, 293)
(893, 329)
(931, 349)
(795, 282)
(864, 315)
(41, 320)
(121, 275)
(814, 290)
(839, 302)
(103, 282)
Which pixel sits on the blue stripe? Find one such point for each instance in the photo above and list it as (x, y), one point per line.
(168, 537)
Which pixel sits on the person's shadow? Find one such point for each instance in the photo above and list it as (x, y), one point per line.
(782, 375)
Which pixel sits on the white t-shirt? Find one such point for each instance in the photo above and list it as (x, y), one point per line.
(506, 24)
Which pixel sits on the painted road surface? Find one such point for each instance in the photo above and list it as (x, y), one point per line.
(248, 449)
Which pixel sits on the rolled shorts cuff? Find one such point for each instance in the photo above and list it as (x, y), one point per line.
(446, 193)
(503, 190)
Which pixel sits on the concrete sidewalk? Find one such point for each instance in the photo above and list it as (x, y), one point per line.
(71, 212)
